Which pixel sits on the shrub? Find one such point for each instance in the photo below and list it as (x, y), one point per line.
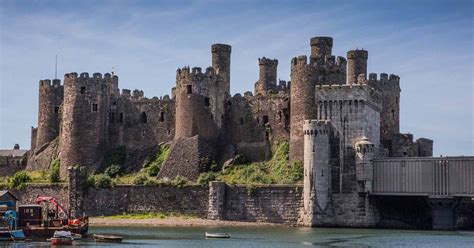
(113, 170)
(140, 180)
(99, 181)
(19, 180)
(153, 170)
(179, 182)
(205, 178)
(54, 176)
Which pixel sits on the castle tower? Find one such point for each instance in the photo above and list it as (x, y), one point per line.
(356, 65)
(50, 100)
(85, 120)
(302, 103)
(194, 113)
(389, 86)
(267, 76)
(221, 90)
(317, 173)
(321, 47)
(364, 164)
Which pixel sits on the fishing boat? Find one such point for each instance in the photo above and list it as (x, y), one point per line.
(107, 238)
(217, 235)
(62, 238)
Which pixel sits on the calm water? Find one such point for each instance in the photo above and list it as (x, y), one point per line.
(270, 237)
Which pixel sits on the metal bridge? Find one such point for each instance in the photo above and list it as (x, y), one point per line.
(441, 177)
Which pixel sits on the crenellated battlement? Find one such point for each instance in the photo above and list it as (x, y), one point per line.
(347, 94)
(194, 73)
(383, 77)
(317, 127)
(221, 48)
(267, 61)
(46, 83)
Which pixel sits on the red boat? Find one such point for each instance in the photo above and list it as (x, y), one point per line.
(62, 238)
(30, 219)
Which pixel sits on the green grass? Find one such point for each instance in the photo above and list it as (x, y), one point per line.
(150, 215)
(275, 171)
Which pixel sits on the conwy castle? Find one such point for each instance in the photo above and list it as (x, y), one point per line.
(340, 121)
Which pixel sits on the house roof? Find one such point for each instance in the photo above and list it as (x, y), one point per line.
(4, 192)
(13, 152)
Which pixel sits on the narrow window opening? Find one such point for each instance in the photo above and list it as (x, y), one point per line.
(393, 113)
(241, 121)
(162, 116)
(189, 89)
(206, 101)
(112, 117)
(121, 118)
(94, 107)
(83, 90)
(279, 116)
(258, 120)
(56, 109)
(265, 119)
(143, 118)
(143, 133)
(169, 132)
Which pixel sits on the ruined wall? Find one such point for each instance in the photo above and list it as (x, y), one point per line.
(50, 100)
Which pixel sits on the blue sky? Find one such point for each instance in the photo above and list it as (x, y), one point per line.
(428, 43)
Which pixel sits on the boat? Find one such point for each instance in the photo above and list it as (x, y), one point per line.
(11, 235)
(62, 238)
(217, 235)
(107, 238)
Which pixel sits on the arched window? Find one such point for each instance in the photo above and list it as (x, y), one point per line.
(143, 118)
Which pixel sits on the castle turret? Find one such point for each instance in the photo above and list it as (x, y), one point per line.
(356, 65)
(317, 173)
(365, 152)
(321, 47)
(267, 80)
(84, 120)
(221, 90)
(389, 86)
(50, 100)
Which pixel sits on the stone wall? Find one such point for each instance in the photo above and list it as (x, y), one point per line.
(270, 203)
(29, 193)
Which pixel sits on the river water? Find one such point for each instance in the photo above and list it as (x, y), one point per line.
(269, 237)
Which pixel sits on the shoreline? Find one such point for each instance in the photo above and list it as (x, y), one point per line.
(175, 222)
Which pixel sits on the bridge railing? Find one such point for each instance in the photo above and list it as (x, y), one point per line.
(443, 176)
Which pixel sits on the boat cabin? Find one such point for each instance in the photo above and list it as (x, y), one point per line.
(7, 201)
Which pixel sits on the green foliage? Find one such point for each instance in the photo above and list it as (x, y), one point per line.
(206, 177)
(140, 180)
(99, 181)
(150, 215)
(113, 170)
(276, 170)
(179, 182)
(251, 190)
(153, 164)
(18, 181)
(54, 175)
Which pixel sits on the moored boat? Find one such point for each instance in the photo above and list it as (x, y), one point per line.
(62, 238)
(11, 235)
(218, 235)
(107, 238)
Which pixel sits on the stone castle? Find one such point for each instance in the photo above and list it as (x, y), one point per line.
(87, 116)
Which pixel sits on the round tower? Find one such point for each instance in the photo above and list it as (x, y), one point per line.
(321, 47)
(365, 151)
(221, 90)
(267, 79)
(356, 65)
(84, 121)
(50, 100)
(317, 174)
(302, 103)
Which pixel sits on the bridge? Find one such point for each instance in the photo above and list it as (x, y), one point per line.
(443, 177)
(442, 181)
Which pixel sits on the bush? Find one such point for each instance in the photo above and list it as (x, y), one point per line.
(140, 180)
(54, 176)
(179, 182)
(18, 181)
(153, 170)
(113, 170)
(205, 178)
(99, 181)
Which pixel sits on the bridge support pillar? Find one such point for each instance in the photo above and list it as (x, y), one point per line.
(442, 213)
